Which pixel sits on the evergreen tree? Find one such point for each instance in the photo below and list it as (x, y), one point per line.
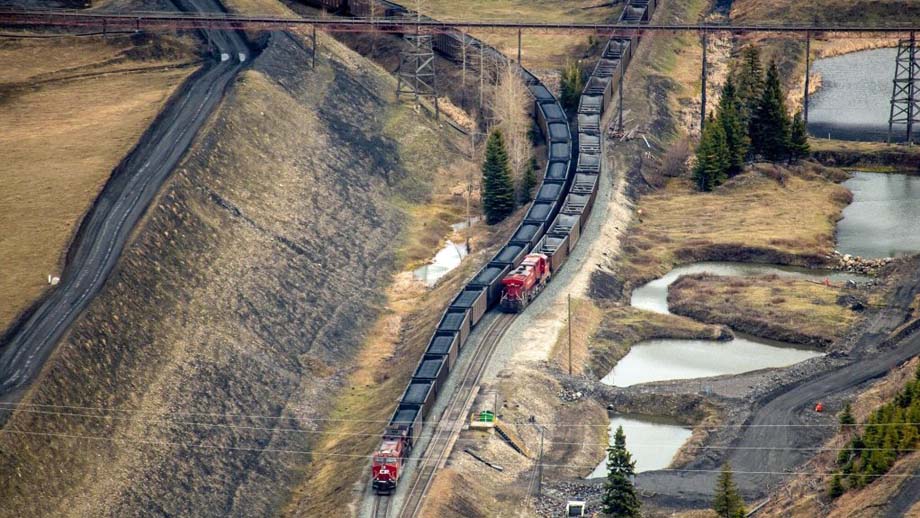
(497, 186)
(712, 157)
(729, 117)
(769, 125)
(798, 139)
(528, 181)
(619, 494)
(835, 488)
(572, 83)
(750, 82)
(727, 502)
(846, 418)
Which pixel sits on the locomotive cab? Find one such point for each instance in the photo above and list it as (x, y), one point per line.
(387, 465)
(524, 282)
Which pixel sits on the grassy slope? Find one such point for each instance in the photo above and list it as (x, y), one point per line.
(71, 110)
(797, 311)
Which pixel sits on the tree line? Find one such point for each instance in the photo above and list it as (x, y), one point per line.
(500, 196)
(750, 122)
(890, 432)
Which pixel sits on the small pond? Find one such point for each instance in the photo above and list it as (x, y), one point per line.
(651, 440)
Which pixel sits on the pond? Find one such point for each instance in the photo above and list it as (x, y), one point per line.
(668, 359)
(652, 441)
(447, 258)
(853, 102)
(884, 218)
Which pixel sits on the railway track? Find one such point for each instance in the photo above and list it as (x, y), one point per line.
(381, 507)
(451, 422)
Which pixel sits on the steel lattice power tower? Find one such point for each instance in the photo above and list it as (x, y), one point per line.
(904, 103)
(416, 76)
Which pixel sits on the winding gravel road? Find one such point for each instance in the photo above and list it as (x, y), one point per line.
(124, 199)
(767, 446)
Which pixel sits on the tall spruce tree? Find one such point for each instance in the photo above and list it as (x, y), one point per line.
(729, 117)
(497, 186)
(750, 82)
(798, 139)
(571, 85)
(769, 126)
(712, 160)
(727, 502)
(619, 494)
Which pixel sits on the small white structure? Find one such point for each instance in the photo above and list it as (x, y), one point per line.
(53, 280)
(224, 57)
(575, 508)
(242, 57)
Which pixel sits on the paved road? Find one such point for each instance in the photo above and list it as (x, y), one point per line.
(121, 204)
(766, 447)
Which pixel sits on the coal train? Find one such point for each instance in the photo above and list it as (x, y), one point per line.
(541, 243)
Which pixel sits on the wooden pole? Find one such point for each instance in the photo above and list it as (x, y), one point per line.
(570, 333)
(703, 81)
(481, 76)
(313, 63)
(807, 76)
(519, 47)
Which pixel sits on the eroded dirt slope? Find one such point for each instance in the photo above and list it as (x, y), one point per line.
(231, 316)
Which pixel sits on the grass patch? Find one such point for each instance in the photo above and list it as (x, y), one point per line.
(791, 310)
(72, 109)
(866, 156)
(537, 50)
(757, 216)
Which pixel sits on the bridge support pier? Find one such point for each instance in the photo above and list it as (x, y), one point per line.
(703, 74)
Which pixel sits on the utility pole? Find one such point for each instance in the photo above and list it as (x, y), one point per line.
(703, 81)
(540, 464)
(620, 104)
(469, 190)
(570, 333)
(519, 48)
(807, 76)
(481, 76)
(313, 63)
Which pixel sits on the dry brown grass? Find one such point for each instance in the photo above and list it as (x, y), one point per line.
(537, 50)
(794, 310)
(759, 211)
(61, 139)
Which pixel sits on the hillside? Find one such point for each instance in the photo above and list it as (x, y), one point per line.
(239, 305)
(72, 109)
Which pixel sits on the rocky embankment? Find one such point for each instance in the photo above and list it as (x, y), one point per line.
(857, 264)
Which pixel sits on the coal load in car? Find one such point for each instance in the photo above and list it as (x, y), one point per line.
(488, 279)
(473, 300)
(588, 163)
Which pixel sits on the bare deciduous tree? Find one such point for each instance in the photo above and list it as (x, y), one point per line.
(509, 109)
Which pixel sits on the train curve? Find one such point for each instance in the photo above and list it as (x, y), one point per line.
(551, 227)
(105, 229)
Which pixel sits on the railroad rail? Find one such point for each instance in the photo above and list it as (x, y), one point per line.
(454, 416)
(141, 20)
(381, 506)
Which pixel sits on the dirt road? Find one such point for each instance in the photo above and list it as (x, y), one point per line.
(123, 201)
(774, 441)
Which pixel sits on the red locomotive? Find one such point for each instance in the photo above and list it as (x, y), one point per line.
(387, 465)
(525, 282)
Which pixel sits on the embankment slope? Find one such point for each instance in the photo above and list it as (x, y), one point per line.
(236, 307)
